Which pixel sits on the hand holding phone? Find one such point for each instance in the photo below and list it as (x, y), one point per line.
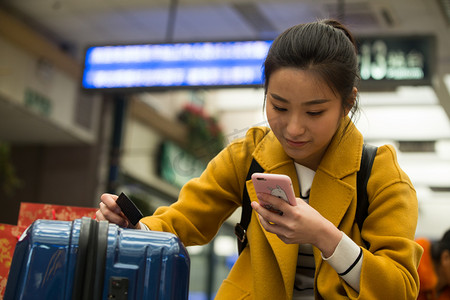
(278, 185)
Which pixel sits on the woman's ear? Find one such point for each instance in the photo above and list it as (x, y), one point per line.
(350, 102)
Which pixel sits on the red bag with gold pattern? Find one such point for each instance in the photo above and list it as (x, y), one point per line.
(9, 235)
(29, 212)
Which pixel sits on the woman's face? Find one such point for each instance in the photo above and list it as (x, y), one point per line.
(304, 114)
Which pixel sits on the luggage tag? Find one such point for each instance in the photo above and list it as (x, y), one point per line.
(129, 209)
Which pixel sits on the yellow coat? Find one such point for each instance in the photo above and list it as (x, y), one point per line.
(266, 268)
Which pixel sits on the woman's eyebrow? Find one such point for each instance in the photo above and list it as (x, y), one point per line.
(307, 103)
(278, 97)
(316, 102)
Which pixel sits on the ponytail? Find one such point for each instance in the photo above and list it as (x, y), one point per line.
(336, 24)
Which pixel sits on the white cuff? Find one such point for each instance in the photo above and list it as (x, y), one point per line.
(144, 227)
(347, 261)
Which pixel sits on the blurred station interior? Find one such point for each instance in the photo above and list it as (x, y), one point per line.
(65, 143)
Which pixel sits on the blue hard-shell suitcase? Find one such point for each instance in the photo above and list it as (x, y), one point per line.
(85, 259)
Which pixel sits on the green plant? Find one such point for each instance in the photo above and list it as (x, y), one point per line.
(8, 178)
(206, 138)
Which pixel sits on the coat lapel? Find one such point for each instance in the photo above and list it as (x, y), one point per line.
(338, 193)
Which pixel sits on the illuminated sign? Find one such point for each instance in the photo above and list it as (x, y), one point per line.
(203, 64)
(387, 62)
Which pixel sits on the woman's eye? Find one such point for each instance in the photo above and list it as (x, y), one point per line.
(277, 108)
(315, 113)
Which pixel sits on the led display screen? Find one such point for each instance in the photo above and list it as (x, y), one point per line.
(384, 62)
(175, 65)
(388, 62)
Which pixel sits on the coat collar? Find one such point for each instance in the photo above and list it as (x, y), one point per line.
(343, 155)
(270, 154)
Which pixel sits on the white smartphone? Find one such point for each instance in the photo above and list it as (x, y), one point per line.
(278, 185)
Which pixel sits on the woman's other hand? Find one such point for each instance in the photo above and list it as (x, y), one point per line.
(110, 211)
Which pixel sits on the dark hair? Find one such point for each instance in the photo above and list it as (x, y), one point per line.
(325, 47)
(437, 248)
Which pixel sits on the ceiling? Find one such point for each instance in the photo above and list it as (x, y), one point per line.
(74, 25)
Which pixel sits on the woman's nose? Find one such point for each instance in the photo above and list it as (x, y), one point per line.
(295, 126)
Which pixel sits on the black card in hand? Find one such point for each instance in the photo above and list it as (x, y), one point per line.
(129, 209)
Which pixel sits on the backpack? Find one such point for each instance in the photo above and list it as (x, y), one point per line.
(367, 158)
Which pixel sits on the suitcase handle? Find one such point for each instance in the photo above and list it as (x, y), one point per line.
(100, 259)
(91, 258)
(80, 268)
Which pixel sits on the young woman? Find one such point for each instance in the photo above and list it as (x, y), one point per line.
(314, 249)
(434, 269)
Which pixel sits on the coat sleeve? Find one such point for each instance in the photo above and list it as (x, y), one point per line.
(389, 269)
(204, 203)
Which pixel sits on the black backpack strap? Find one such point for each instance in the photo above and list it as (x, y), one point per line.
(241, 228)
(368, 155)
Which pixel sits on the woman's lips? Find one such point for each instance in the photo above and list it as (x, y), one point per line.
(296, 144)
